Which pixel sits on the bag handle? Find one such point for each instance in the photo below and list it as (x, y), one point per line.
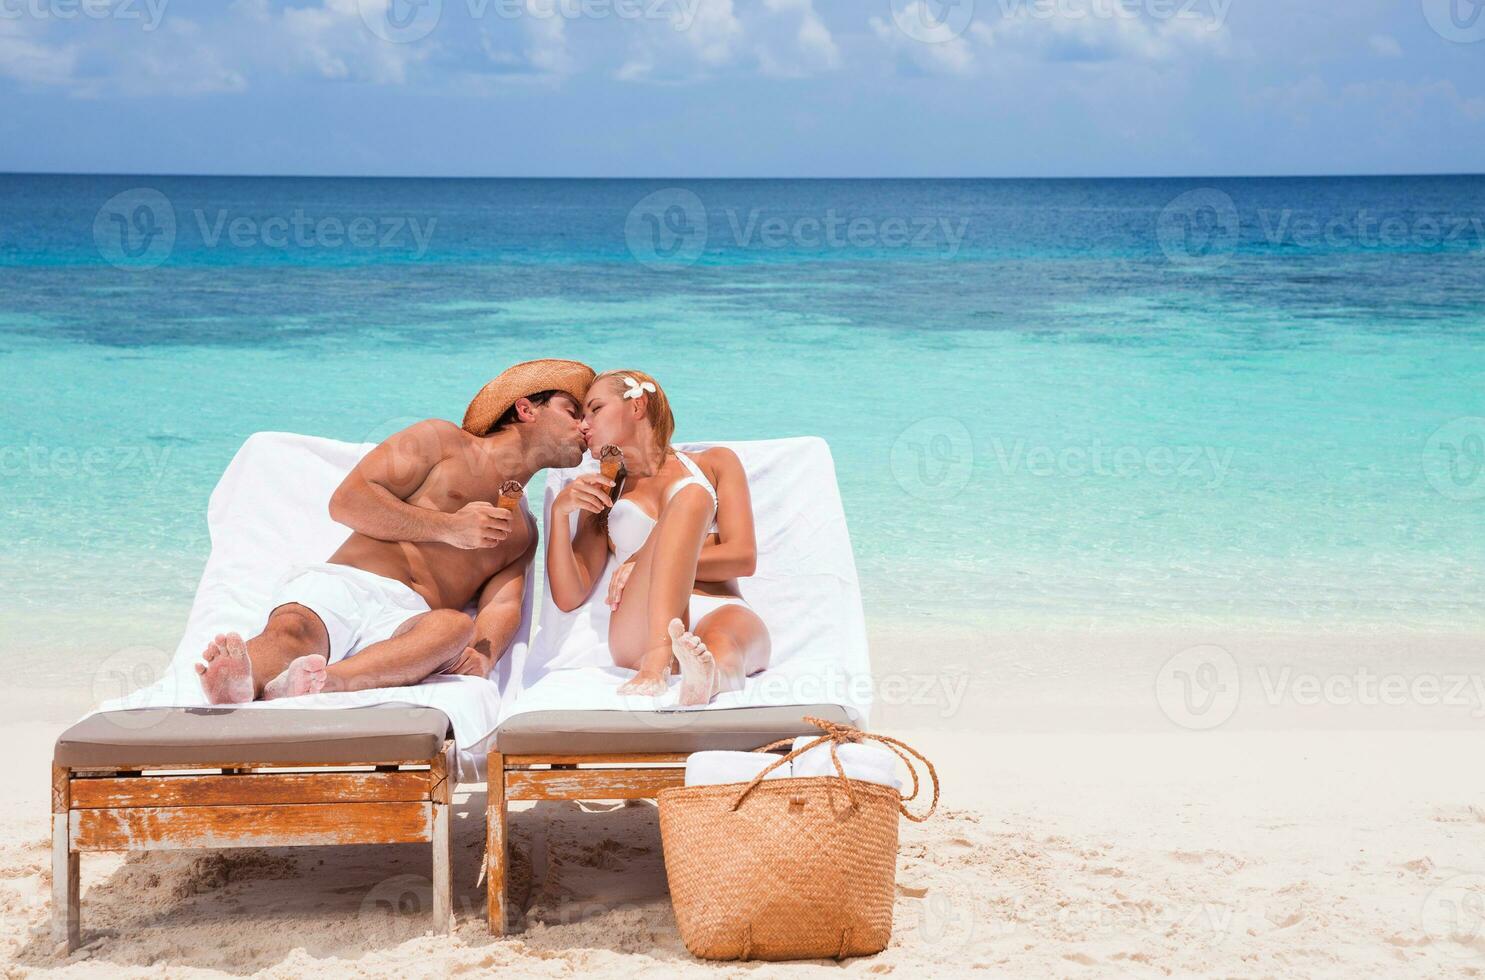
(837, 735)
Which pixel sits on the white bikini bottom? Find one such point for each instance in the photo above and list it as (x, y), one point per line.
(704, 605)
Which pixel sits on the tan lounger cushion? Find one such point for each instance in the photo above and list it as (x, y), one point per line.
(161, 737)
(623, 732)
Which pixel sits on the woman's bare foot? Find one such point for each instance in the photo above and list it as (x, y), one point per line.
(227, 674)
(698, 667)
(646, 684)
(307, 675)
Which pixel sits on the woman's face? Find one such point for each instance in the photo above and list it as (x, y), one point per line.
(608, 420)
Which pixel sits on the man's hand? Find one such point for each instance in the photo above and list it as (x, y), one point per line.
(478, 524)
(617, 582)
(589, 492)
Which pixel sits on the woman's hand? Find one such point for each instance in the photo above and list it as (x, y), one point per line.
(616, 584)
(589, 492)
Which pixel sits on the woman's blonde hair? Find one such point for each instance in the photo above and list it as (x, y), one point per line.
(662, 420)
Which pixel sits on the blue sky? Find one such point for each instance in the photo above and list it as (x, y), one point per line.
(743, 87)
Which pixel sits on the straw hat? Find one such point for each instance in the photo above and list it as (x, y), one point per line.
(523, 381)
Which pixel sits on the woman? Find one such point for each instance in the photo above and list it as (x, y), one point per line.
(682, 528)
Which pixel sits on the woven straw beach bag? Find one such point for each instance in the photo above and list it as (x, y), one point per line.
(787, 869)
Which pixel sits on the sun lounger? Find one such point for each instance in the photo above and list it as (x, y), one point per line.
(566, 734)
(158, 769)
(169, 779)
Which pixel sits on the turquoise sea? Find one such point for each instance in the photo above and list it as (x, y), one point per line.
(1075, 403)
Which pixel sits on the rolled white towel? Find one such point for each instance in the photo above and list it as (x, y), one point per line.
(860, 760)
(712, 768)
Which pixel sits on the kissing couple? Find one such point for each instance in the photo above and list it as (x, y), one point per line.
(432, 577)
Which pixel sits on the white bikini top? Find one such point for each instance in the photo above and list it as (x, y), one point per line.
(629, 526)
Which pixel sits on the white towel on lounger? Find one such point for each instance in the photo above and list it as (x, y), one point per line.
(712, 768)
(860, 760)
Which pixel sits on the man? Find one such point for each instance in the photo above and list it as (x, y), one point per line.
(387, 609)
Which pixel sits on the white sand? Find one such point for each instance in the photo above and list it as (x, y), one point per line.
(1232, 853)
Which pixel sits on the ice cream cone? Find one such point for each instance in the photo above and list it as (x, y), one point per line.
(511, 494)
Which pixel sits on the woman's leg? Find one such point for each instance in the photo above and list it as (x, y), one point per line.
(728, 646)
(659, 590)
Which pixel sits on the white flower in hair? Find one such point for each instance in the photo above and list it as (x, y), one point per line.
(635, 389)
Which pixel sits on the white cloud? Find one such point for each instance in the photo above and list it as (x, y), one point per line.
(952, 57)
(332, 40)
(541, 51)
(800, 44)
(697, 37)
(1385, 46)
(781, 38)
(29, 60)
(1080, 31)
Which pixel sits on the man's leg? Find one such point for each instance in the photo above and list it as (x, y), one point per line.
(236, 672)
(421, 647)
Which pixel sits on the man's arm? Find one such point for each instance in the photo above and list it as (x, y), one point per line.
(373, 497)
(499, 606)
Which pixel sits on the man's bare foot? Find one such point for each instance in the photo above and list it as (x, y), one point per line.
(698, 667)
(227, 674)
(471, 663)
(306, 675)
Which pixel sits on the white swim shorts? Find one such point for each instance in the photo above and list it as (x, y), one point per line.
(358, 608)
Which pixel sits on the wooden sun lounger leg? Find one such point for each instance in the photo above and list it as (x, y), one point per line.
(443, 855)
(443, 884)
(495, 844)
(66, 911)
